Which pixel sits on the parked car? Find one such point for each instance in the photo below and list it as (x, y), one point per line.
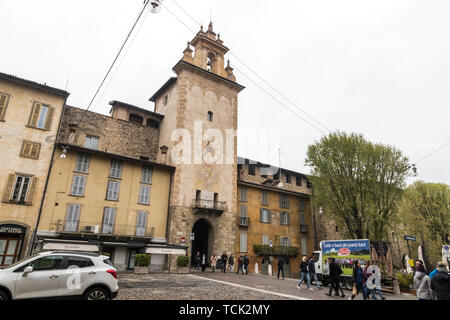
(60, 274)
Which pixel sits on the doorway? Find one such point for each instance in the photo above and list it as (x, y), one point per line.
(203, 239)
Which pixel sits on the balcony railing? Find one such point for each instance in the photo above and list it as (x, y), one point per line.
(303, 228)
(83, 227)
(243, 221)
(262, 249)
(209, 205)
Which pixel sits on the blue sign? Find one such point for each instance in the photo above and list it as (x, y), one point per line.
(410, 238)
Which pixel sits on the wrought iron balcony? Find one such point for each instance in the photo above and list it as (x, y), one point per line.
(304, 228)
(244, 222)
(98, 228)
(209, 206)
(261, 249)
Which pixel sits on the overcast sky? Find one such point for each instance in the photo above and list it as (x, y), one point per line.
(380, 68)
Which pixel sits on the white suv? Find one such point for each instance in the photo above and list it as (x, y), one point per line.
(60, 274)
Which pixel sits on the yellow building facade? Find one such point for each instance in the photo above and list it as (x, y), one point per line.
(30, 113)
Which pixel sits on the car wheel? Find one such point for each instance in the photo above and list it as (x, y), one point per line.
(96, 294)
(3, 295)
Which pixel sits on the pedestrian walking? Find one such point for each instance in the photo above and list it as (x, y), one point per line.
(197, 261)
(366, 289)
(312, 272)
(335, 272)
(246, 263)
(281, 262)
(304, 275)
(377, 289)
(213, 262)
(440, 284)
(240, 266)
(358, 281)
(203, 262)
(224, 259)
(231, 263)
(422, 283)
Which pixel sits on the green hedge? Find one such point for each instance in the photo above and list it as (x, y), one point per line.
(404, 280)
(276, 250)
(182, 261)
(142, 260)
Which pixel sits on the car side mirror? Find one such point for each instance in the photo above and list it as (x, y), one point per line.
(27, 270)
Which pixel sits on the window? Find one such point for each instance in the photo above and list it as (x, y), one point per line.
(78, 185)
(210, 116)
(4, 100)
(264, 197)
(113, 190)
(284, 218)
(41, 116)
(147, 173)
(43, 264)
(251, 169)
(152, 123)
(298, 181)
(109, 216)
(144, 194)
(166, 99)
(276, 176)
(20, 189)
(243, 194)
(288, 178)
(135, 118)
(116, 169)
(243, 242)
(265, 239)
(243, 211)
(210, 62)
(30, 150)
(285, 242)
(80, 262)
(73, 217)
(304, 242)
(264, 215)
(82, 163)
(301, 204)
(141, 224)
(284, 201)
(91, 142)
(302, 219)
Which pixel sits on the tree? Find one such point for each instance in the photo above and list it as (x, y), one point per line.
(358, 183)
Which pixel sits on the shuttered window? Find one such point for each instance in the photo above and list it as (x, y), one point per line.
(302, 204)
(141, 224)
(144, 194)
(304, 243)
(265, 239)
(30, 150)
(72, 218)
(243, 242)
(284, 201)
(41, 116)
(113, 190)
(264, 215)
(302, 219)
(116, 169)
(284, 218)
(285, 242)
(20, 189)
(91, 142)
(78, 185)
(83, 163)
(264, 197)
(243, 194)
(4, 100)
(109, 217)
(147, 173)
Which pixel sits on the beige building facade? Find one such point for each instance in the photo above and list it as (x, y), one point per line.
(30, 114)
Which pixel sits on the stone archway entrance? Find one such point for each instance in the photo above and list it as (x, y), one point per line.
(203, 241)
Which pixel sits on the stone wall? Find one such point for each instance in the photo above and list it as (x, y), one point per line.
(115, 136)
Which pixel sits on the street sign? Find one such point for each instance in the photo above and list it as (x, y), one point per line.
(182, 240)
(192, 236)
(410, 238)
(270, 243)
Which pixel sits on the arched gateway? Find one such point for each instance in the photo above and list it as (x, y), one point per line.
(203, 241)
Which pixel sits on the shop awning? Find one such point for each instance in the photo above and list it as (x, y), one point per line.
(165, 251)
(70, 246)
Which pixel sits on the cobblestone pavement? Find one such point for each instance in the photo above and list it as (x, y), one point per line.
(204, 286)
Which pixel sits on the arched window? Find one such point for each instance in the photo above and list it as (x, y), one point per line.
(211, 62)
(210, 116)
(135, 118)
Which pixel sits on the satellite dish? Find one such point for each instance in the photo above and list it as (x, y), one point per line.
(156, 6)
(280, 185)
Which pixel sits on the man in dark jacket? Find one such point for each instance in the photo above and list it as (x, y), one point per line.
(224, 259)
(246, 263)
(334, 271)
(281, 263)
(312, 272)
(440, 284)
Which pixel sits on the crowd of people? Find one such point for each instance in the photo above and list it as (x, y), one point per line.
(225, 262)
(433, 285)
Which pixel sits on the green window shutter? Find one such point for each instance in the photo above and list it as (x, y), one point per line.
(269, 216)
(261, 215)
(288, 218)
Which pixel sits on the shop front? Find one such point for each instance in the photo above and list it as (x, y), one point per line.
(12, 239)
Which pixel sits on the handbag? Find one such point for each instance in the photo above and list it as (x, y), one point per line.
(354, 291)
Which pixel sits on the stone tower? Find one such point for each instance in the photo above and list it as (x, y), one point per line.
(200, 108)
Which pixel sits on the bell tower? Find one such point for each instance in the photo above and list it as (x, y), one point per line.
(200, 108)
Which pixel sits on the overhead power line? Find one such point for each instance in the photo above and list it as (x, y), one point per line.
(435, 151)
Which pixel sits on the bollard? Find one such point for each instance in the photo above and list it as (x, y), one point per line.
(256, 268)
(270, 270)
(396, 287)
